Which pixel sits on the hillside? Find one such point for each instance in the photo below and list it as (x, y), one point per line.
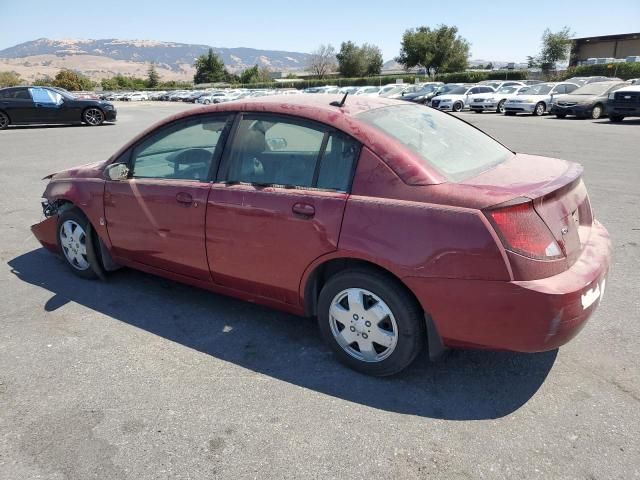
(105, 58)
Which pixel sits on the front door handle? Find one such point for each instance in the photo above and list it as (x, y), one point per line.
(183, 197)
(303, 209)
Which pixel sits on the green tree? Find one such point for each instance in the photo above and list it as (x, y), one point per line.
(532, 62)
(9, 79)
(72, 81)
(372, 58)
(153, 79)
(350, 60)
(355, 61)
(250, 75)
(209, 68)
(438, 50)
(555, 48)
(489, 66)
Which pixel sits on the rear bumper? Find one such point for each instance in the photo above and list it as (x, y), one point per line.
(521, 316)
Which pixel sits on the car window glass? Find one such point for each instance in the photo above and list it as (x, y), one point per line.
(45, 96)
(20, 93)
(336, 165)
(570, 88)
(183, 151)
(275, 151)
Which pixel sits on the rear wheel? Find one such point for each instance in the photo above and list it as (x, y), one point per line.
(4, 120)
(539, 110)
(370, 321)
(596, 111)
(615, 118)
(72, 240)
(93, 116)
(457, 107)
(500, 108)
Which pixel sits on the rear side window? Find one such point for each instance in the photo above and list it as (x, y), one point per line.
(450, 146)
(290, 153)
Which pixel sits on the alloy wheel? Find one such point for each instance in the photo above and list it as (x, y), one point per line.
(363, 325)
(4, 121)
(94, 116)
(596, 113)
(73, 240)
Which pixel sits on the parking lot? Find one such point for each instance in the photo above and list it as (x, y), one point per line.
(142, 378)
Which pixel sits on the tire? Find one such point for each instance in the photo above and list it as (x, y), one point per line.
(72, 238)
(93, 116)
(538, 111)
(457, 107)
(561, 115)
(615, 118)
(510, 114)
(207, 102)
(399, 324)
(4, 120)
(597, 111)
(500, 107)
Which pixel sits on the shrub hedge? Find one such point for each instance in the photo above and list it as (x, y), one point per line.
(624, 71)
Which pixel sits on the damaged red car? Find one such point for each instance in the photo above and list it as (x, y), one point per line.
(398, 226)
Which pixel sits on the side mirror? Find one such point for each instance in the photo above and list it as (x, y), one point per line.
(117, 172)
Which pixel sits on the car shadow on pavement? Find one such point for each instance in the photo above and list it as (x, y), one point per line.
(59, 125)
(464, 385)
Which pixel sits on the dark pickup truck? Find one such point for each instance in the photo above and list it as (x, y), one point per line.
(624, 102)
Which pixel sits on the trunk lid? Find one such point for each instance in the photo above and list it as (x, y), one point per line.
(556, 190)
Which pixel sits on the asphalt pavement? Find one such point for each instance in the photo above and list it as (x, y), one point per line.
(142, 378)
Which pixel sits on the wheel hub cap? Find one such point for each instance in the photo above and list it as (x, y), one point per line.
(73, 242)
(363, 325)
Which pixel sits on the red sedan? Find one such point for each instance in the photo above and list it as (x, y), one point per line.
(396, 225)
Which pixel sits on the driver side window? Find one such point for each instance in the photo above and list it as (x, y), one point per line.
(182, 151)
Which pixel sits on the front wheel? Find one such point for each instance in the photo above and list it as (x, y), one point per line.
(596, 111)
(371, 322)
(457, 107)
(500, 108)
(539, 110)
(93, 116)
(72, 240)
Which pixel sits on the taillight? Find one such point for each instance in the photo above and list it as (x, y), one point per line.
(523, 231)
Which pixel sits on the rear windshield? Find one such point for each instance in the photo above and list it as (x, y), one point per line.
(455, 149)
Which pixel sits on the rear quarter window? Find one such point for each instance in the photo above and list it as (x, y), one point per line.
(450, 146)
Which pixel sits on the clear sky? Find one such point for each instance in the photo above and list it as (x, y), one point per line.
(497, 29)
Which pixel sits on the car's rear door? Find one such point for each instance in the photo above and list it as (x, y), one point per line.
(278, 203)
(18, 104)
(156, 217)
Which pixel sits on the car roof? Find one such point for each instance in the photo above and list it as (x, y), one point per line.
(317, 107)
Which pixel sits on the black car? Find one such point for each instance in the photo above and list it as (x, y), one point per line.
(422, 95)
(624, 102)
(587, 101)
(47, 105)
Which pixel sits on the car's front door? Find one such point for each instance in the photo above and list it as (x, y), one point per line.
(156, 217)
(278, 203)
(48, 105)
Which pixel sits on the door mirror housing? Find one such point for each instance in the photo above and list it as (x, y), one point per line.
(117, 172)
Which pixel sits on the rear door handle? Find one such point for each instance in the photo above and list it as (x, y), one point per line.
(303, 209)
(183, 197)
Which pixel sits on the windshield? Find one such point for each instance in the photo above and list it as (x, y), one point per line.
(539, 89)
(507, 90)
(592, 89)
(458, 91)
(446, 88)
(454, 148)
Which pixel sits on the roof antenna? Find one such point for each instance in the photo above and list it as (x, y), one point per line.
(341, 102)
